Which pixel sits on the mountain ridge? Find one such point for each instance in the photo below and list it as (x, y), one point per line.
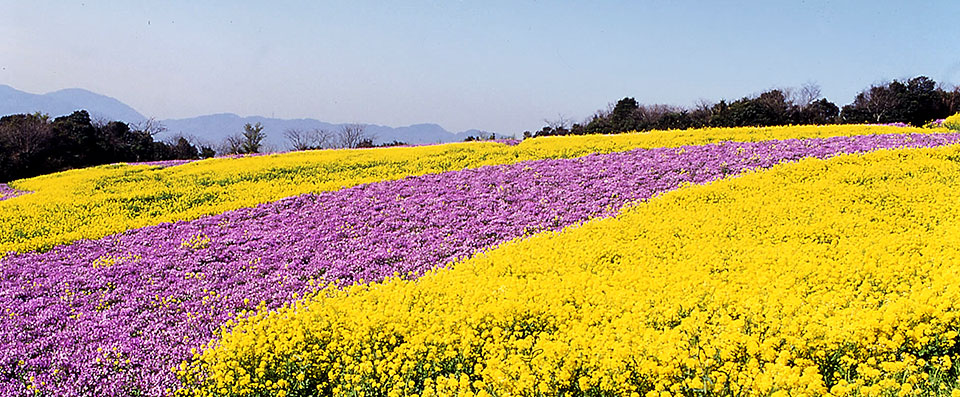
(210, 129)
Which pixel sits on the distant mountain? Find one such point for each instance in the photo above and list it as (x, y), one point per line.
(98, 105)
(214, 128)
(63, 102)
(209, 129)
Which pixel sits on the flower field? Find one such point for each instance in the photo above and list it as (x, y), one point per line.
(100, 201)
(800, 260)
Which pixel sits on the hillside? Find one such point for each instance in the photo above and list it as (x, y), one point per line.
(790, 259)
(64, 102)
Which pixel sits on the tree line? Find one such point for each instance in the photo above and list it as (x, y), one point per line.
(916, 102)
(348, 136)
(35, 144)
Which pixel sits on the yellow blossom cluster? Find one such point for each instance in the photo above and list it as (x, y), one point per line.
(952, 122)
(95, 202)
(822, 277)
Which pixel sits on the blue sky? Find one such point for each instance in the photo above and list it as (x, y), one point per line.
(499, 66)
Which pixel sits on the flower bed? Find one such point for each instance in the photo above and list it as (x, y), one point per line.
(114, 314)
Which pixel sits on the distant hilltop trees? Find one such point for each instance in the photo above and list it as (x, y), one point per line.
(33, 144)
(915, 102)
(348, 136)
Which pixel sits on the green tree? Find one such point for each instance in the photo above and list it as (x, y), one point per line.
(182, 149)
(76, 139)
(625, 115)
(916, 102)
(253, 136)
(818, 112)
(207, 152)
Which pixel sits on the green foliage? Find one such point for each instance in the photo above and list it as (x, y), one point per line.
(253, 136)
(625, 115)
(770, 108)
(33, 145)
(184, 150)
(915, 102)
(818, 112)
(207, 152)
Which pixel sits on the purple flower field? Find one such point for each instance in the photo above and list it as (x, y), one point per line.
(163, 163)
(172, 163)
(112, 316)
(895, 124)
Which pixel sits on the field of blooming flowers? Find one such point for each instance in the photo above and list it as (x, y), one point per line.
(569, 266)
(97, 202)
(952, 122)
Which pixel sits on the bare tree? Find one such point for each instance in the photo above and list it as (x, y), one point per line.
(232, 144)
(150, 126)
(316, 138)
(878, 101)
(99, 121)
(702, 112)
(321, 137)
(560, 123)
(805, 95)
(298, 138)
(703, 105)
(352, 136)
(653, 113)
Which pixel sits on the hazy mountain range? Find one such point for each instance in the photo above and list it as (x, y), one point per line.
(208, 129)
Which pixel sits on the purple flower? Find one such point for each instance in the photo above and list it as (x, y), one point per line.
(896, 124)
(113, 315)
(163, 163)
(7, 192)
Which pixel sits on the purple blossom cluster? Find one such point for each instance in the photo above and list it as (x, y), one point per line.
(7, 192)
(163, 163)
(896, 124)
(171, 163)
(112, 316)
(508, 142)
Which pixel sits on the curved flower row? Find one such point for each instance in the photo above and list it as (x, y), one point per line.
(162, 163)
(817, 278)
(100, 201)
(113, 315)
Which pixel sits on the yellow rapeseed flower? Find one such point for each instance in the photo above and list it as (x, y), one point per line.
(94, 202)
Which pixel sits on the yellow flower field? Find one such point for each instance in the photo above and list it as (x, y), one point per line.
(822, 277)
(96, 202)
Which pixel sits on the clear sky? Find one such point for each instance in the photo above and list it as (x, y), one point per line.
(499, 66)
